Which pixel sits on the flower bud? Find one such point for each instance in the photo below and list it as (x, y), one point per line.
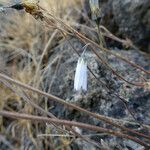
(80, 81)
(95, 9)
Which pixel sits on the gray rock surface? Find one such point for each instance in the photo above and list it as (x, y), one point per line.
(60, 77)
(127, 19)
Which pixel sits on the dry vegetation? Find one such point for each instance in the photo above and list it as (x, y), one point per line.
(26, 41)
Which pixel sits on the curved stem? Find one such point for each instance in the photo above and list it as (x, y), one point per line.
(69, 105)
(72, 123)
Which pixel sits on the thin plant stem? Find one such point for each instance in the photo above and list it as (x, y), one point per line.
(41, 110)
(85, 39)
(69, 105)
(100, 37)
(72, 123)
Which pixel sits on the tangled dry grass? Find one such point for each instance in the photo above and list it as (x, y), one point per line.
(26, 41)
(22, 40)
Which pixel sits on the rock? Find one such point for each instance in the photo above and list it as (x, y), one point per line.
(60, 78)
(82, 145)
(127, 19)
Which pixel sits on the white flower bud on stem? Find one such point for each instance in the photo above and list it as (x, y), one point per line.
(80, 81)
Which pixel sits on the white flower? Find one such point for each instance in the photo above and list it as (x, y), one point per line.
(80, 81)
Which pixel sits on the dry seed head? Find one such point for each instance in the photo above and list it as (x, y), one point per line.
(30, 5)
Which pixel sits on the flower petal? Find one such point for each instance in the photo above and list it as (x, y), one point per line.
(80, 81)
